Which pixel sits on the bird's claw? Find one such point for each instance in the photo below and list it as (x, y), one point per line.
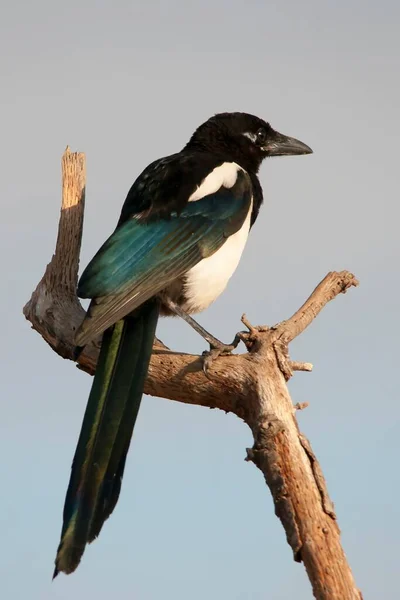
(215, 351)
(218, 348)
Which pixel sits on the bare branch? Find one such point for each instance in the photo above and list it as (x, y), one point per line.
(301, 366)
(301, 405)
(252, 385)
(333, 284)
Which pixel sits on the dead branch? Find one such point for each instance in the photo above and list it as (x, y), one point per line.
(252, 385)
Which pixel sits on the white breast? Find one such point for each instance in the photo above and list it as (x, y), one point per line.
(208, 279)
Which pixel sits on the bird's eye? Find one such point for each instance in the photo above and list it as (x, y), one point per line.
(261, 135)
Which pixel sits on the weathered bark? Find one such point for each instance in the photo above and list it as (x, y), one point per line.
(251, 385)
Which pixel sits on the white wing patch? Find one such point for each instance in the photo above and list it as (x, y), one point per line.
(223, 176)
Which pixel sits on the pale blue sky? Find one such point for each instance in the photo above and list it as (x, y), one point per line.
(128, 82)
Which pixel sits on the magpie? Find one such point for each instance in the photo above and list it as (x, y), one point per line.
(178, 241)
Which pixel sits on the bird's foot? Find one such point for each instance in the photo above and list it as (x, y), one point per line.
(249, 337)
(217, 349)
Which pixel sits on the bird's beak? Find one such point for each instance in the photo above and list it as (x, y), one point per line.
(282, 145)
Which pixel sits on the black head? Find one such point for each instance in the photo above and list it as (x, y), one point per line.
(245, 139)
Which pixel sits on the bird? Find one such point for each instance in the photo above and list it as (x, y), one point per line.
(181, 233)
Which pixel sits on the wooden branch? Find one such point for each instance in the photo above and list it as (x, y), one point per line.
(251, 385)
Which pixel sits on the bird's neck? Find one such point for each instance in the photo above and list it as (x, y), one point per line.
(257, 197)
(225, 153)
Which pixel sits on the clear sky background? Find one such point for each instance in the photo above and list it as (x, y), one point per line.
(128, 82)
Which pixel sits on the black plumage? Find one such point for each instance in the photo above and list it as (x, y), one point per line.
(179, 238)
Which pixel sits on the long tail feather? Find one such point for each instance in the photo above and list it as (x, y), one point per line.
(110, 416)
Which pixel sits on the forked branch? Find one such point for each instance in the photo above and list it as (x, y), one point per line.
(251, 385)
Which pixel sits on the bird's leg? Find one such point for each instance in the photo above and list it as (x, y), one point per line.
(217, 348)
